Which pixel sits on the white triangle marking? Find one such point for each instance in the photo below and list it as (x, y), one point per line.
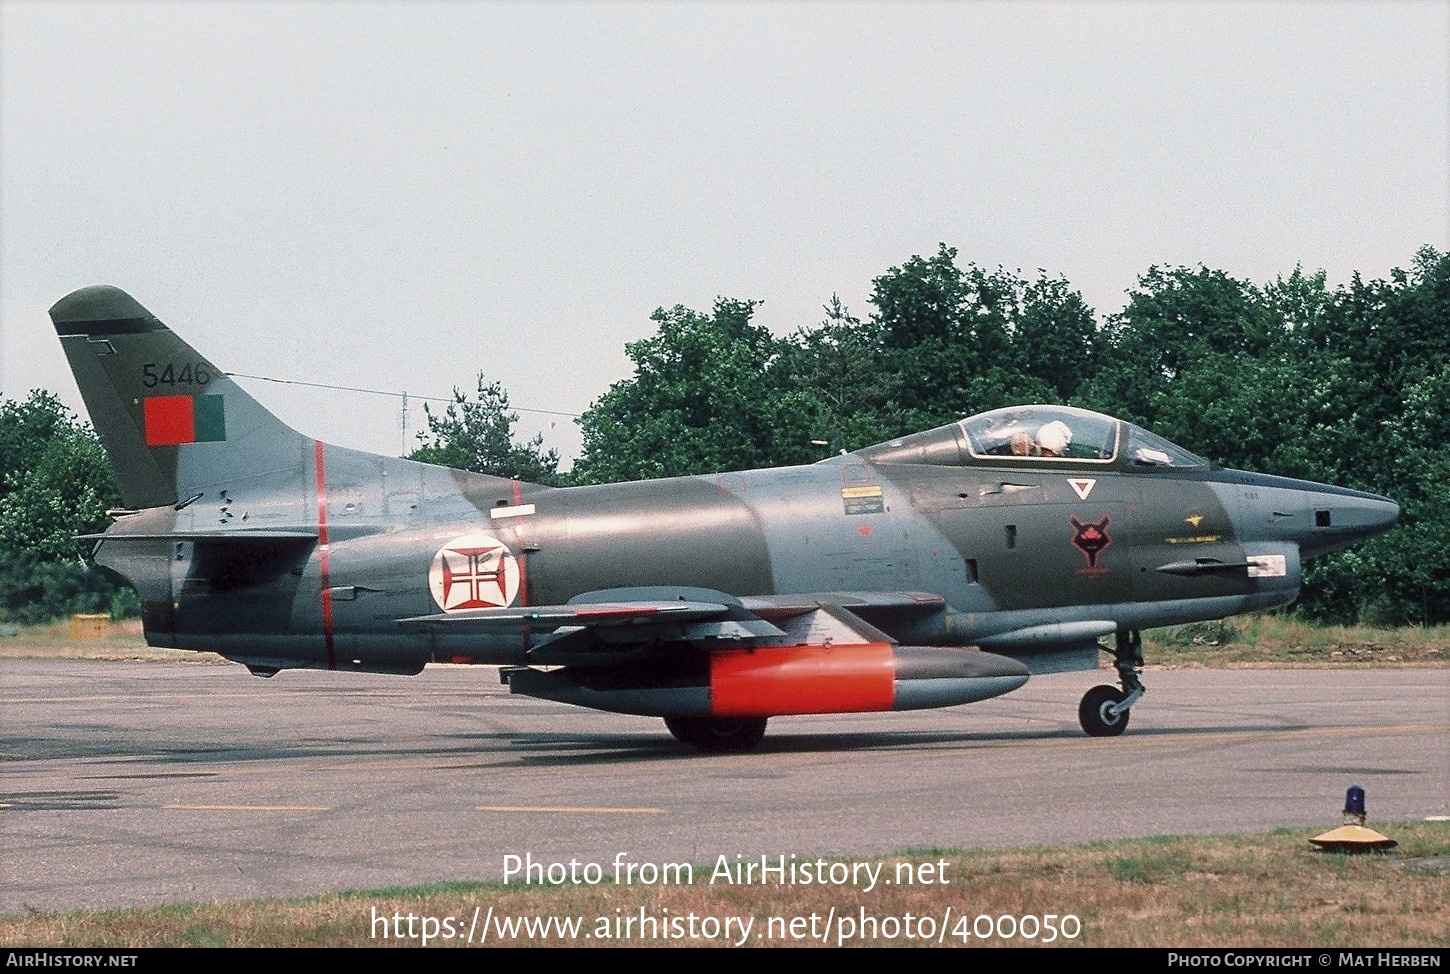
(1083, 487)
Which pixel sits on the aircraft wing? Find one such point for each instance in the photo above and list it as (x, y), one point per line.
(547, 618)
(779, 606)
(633, 618)
(630, 650)
(241, 535)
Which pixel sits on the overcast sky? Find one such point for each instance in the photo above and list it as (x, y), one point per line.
(397, 196)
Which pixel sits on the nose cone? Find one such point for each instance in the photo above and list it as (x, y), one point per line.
(1319, 518)
(1340, 518)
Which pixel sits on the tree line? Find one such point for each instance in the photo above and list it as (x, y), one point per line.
(1344, 384)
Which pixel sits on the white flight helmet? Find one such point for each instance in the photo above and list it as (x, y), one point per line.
(1054, 437)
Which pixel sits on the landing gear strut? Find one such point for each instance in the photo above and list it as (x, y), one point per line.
(1104, 709)
(718, 735)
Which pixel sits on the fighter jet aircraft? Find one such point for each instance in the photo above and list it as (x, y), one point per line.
(929, 571)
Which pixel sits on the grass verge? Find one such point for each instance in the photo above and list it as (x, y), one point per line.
(1283, 640)
(1261, 890)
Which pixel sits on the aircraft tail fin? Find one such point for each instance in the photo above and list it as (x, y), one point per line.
(169, 420)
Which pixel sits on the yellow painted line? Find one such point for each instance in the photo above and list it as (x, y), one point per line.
(250, 808)
(586, 810)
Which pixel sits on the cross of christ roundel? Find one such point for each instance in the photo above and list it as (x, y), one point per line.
(473, 572)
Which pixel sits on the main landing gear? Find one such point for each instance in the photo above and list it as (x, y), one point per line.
(718, 735)
(1104, 709)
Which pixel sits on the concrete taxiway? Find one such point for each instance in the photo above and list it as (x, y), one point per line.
(139, 783)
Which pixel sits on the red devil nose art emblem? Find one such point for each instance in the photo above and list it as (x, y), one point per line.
(1091, 537)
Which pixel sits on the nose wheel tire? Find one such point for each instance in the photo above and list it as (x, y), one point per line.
(1096, 713)
(718, 735)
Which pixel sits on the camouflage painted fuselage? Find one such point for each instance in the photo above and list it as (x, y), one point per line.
(1003, 546)
(1029, 532)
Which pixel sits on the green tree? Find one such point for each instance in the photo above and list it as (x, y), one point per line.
(55, 484)
(926, 299)
(477, 434)
(707, 395)
(1398, 329)
(1054, 334)
(948, 342)
(841, 365)
(1175, 320)
(1393, 337)
(1415, 560)
(1335, 386)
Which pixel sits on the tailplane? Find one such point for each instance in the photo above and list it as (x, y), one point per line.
(171, 422)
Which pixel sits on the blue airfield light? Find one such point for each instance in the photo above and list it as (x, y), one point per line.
(1354, 802)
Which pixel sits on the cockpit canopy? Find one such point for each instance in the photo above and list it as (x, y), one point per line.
(1033, 435)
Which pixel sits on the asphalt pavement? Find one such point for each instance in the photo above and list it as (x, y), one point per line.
(140, 783)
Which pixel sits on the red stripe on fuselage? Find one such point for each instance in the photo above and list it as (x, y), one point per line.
(778, 680)
(523, 560)
(323, 558)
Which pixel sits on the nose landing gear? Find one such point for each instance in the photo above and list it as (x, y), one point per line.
(1103, 711)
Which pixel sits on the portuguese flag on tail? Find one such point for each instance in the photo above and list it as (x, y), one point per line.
(174, 420)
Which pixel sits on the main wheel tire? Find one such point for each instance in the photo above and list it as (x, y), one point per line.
(718, 735)
(1094, 715)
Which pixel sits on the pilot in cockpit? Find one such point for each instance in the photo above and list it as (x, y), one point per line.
(1053, 439)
